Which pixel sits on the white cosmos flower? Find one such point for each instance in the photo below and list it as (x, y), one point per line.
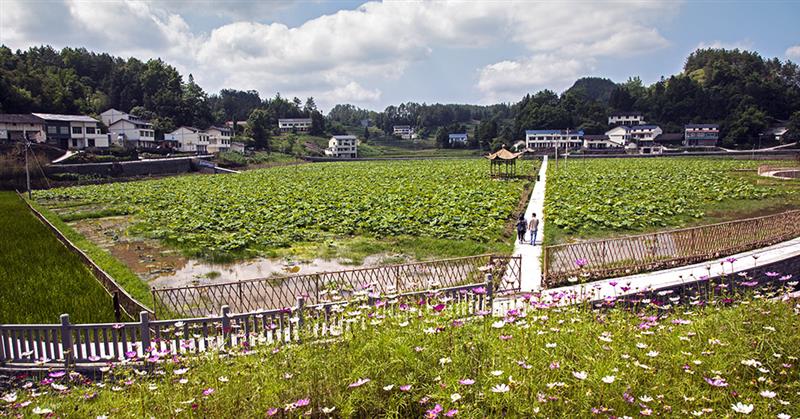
(10, 397)
(180, 371)
(768, 394)
(751, 363)
(550, 345)
(501, 388)
(41, 411)
(455, 397)
(388, 388)
(646, 399)
(327, 410)
(497, 373)
(581, 375)
(783, 416)
(498, 324)
(742, 408)
(608, 379)
(641, 345)
(652, 354)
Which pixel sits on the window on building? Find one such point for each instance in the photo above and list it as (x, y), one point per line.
(91, 130)
(91, 142)
(74, 142)
(63, 130)
(77, 130)
(51, 129)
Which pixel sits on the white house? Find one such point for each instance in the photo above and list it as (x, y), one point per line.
(73, 131)
(294, 124)
(219, 139)
(623, 135)
(626, 118)
(237, 147)
(15, 127)
(342, 146)
(127, 129)
(458, 139)
(553, 138)
(189, 139)
(405, 132)
(704, 135)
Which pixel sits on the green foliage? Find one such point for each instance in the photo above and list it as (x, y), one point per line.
(259, 125)
(40, 278)
(636, 194)
(262, 209)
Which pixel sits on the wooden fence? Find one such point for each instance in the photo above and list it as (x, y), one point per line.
(598, 259)
(276, 293)
(94, 345)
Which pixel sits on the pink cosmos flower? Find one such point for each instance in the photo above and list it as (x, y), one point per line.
(581, 262)
(505, 337)
(772, 274)
(57, 374)
(405, 387)
(359, 383)
(466, 382)
(479, 290)
(730, 259)
(716, 382)
(207, 392)
(452, 412)
(272, 411)
(302, 402)
(435, 411)
(438, 308)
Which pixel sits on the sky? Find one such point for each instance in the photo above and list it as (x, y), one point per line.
(374, 54)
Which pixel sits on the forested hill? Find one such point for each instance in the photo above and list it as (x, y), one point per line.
(740, 90)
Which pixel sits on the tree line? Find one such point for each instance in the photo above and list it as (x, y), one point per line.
(740, 90)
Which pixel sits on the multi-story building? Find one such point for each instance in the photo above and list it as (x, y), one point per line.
(700, 135)
(405, 132)
(626, 118)
(16, 127)
(189, 139)
(219, 139)
(458, 139)
(294, 124)
(129, 130)
(342, 146)
(73, 131)
(622, 135)
(553, 138)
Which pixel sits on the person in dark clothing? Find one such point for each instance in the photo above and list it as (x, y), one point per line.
(522, 225)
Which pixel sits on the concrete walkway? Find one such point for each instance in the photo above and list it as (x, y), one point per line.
(531, 255)
(675, 276)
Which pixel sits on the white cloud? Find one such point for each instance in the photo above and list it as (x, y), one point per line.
(793, 53)
(333, 56)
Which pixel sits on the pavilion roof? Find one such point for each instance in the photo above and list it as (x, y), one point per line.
(504, 154)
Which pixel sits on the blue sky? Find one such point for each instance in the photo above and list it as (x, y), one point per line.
(375, 54)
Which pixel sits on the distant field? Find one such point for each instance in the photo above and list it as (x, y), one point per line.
(602, 197)
(40, 279)
(428, 208)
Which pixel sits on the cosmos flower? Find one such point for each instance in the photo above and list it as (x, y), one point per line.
(360, 382)
(742, 408)
(608, 379)
(466, 381)
(581, 375)
(501, 388)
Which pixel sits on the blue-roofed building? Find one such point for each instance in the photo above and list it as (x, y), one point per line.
(458, 139)
(700, 135)
(553, 138)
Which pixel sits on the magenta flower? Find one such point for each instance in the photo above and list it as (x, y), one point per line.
(730, 259)
(750, 284)
(581, 262)
(505, 337)
(785, 278)
(405, 387)
(613, 283)
(57, 374)
(272, 411)
(466, 382)
(438, 308)
(479, 290)
(772, 274)
(359, 383)
(555, 365)
(435, 411)
(452, 412)
(303, 402)
(130, 354)
(209, 391)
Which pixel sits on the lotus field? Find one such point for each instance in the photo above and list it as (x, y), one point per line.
(593, 196)
(733, 354)
(263, 209)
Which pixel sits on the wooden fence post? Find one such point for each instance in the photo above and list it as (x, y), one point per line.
(117, 311)
(226, 326)
(66, 340)
(490, 291)
(301, 302)
(144, 331)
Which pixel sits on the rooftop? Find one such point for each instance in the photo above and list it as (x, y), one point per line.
(20, 118)
(643, 127)
(140, 122)
(552, 132)
(629, 113)
(344, 137)
(712, 126)
(65, 118)
(294, 120)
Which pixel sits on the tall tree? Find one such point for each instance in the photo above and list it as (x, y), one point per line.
(258, 126)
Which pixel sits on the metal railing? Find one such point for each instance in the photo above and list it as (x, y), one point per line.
(94, 345)
(597, 259)
(276, 293)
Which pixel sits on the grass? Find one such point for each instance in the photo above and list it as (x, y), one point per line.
(128, 280)
(39, 277)
(674, 361)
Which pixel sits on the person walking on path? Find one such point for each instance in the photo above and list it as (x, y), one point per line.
(521, 227)
(533, 226)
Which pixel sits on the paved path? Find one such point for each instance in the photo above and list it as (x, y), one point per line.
(675, 276)
(531, 255)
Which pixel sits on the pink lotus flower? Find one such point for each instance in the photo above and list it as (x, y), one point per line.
(359, 383)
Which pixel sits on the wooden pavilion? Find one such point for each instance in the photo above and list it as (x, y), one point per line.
(503, 163)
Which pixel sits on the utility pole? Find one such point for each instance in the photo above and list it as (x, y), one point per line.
(27, 172)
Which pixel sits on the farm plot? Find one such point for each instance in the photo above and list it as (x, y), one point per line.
(603, 197)
(40, 278)
(254, 213)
